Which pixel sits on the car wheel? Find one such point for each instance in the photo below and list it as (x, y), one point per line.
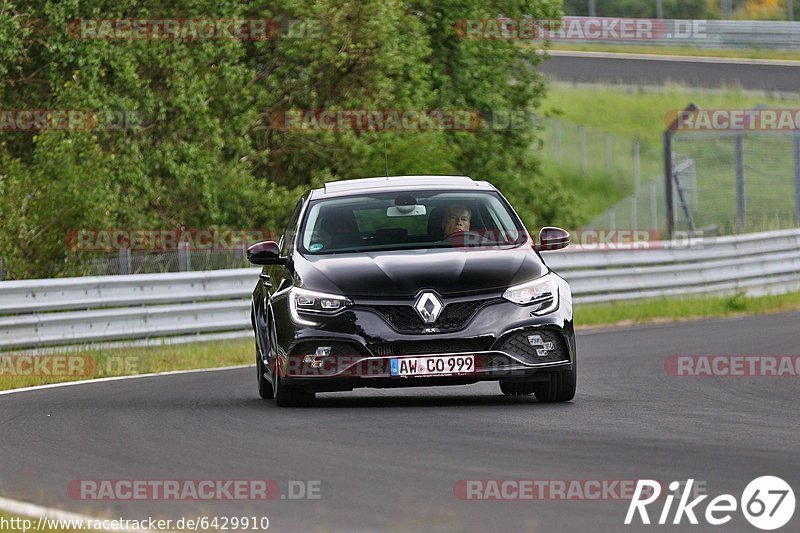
(289, 396)
(560, 388)
(264, 386)
(517, 388)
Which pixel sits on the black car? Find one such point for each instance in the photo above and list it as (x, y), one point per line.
(410, 281)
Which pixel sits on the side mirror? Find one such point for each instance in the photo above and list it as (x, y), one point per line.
(265, 253)
(552, 239)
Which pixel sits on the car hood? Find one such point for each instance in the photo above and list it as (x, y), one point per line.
(404, 273)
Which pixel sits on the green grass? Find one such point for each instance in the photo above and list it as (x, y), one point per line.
(743, 53)
(678, 309)
(595, 191)
(630, 112)
(127, 361)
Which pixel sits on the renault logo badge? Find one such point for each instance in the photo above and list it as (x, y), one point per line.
(428, 307)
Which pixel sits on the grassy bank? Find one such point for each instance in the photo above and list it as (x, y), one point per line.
(101, 363)
(678, 309)
(630, 112)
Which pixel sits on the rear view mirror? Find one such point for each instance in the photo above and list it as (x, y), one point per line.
(406, 211)
(265, 253)
(551, 238)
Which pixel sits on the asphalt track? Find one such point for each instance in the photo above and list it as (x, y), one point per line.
(388, 460)
(657, 71)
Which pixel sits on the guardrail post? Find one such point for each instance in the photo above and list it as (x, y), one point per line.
(797, 176)
(740, 207)
(125, 266)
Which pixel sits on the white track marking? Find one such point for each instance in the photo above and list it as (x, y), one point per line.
(31, 510)
(119, 378)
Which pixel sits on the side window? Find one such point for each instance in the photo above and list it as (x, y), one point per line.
(287, 241)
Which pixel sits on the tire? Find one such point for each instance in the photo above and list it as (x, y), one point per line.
(518, 388)
(560, 388)
(289, 396)
(264, 386)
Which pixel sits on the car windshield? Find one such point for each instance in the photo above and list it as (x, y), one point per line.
(410, 221)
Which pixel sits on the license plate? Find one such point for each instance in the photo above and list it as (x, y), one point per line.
(433, 365)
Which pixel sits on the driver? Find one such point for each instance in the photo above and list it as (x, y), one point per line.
(456, 219)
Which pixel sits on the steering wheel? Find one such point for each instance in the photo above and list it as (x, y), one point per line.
(466, 238)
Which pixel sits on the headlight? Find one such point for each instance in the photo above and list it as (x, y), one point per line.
(317, 303)
(540, 293)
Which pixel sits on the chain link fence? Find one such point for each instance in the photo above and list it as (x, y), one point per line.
(736, 182)
(635, 166)
(126, 261)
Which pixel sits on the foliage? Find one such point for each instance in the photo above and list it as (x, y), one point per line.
(204, 152)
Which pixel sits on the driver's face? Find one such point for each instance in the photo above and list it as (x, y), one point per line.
(457, 219)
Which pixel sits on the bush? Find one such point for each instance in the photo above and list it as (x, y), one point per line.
(206, 153)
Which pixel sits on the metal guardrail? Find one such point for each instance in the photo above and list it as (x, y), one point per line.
(38, 313)
(712, 34)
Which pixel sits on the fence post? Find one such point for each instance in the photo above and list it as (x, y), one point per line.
(125, 266)
(653, 205)
(670, 204)
(740, 207)
(797, 176)
(790, 5)
(592, 8)
(184, 259)
(637, 165)
(584, 169)
(659, 9)
(558, 141)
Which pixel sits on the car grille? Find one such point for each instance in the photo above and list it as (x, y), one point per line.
(454, 317)
(431, 346)
(519, 344)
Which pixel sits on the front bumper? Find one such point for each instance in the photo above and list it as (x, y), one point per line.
(508, 341)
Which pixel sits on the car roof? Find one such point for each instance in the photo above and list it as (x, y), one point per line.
(398, 183)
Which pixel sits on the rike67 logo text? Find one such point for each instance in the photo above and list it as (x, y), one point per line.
(767, 503)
